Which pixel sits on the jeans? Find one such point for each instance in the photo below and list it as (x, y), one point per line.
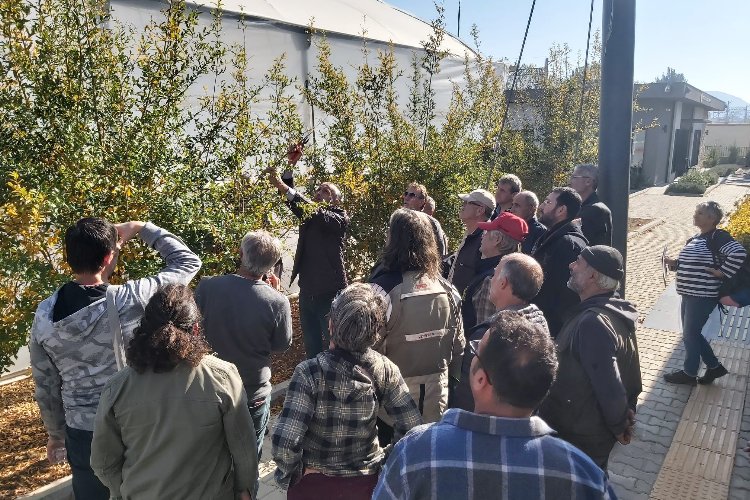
(260, 411)
(86, 486)
(695, 312)
(313, 316)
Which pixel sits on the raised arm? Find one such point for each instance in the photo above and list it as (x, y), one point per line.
(180, 263)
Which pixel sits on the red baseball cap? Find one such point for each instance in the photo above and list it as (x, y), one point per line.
(510, 224)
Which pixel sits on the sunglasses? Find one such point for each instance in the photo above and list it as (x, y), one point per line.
(474, 348)
(464, 203)
(409, 194)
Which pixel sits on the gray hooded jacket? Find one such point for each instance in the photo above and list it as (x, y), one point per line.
(73, 358)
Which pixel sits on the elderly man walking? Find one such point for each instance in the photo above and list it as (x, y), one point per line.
(500, 450)
(245, 319)
(319, 260)
(593, 401)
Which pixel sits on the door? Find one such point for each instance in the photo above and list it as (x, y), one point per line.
(680, 158)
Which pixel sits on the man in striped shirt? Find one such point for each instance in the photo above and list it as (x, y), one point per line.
(706, 260)
(500, 449)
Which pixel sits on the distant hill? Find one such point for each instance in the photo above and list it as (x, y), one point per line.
(732, 100)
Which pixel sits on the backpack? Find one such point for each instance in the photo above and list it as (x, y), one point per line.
(740, 280)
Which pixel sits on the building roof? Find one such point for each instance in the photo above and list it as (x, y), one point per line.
(379, 20)
(678, 91)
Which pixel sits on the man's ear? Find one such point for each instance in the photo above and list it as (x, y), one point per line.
(108, 259)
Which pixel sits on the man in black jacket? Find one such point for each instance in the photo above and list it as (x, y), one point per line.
(593, 401)
(554, 251)
(476, 207)
(596, 218)
(319, 259)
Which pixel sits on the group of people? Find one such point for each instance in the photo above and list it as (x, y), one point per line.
(510, 363)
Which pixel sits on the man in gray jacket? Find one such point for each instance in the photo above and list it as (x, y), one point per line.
(79, 333)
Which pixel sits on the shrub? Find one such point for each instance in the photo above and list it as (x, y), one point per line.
(693, 182)
(734, 153)
(723, 170)
(93, 121)
(711, 158)
(739, 223)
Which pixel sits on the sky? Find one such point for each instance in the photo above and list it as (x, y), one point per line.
(706, 41)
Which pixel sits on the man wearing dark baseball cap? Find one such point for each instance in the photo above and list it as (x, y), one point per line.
(593, 401)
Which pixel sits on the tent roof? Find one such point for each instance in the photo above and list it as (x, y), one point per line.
(381, 21)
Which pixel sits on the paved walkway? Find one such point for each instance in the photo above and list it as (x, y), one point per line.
(656, 456)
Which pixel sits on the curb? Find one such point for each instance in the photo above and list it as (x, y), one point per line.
(645, 228)
(62, 489)
(12, 377)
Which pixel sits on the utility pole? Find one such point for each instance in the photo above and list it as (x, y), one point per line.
(616, 115)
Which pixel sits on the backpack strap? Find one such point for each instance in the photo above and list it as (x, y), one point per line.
(113, 317)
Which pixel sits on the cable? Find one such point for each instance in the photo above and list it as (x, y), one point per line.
(512, 90)
(580, 126)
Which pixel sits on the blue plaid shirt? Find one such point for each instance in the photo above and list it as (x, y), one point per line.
(471, 456)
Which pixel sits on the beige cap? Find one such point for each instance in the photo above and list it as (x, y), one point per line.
(480, 196)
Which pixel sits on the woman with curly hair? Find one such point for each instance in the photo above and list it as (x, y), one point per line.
(174, 423)
(423, 333)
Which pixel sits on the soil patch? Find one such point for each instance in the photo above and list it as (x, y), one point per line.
(23, 455)
(634, 223)
(283, 363)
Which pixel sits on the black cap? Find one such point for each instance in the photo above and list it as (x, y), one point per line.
(606, 260)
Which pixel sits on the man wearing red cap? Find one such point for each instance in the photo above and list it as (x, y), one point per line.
(501, 236)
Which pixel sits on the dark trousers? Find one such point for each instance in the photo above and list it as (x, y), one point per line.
(317, 486)
(313, 316)
(86, 486)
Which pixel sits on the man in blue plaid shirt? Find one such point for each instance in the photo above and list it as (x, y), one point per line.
(500, 450)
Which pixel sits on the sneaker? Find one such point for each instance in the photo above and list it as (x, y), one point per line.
(712, 374)
(680, 377)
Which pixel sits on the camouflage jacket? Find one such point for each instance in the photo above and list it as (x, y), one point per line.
(73, 358)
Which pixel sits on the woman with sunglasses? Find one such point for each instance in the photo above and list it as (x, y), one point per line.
(174, 423)
(325, 442)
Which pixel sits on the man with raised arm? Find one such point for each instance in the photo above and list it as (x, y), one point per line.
(80, 332)
(319, 259)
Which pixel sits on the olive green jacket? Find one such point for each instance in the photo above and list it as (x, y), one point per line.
(182, 434)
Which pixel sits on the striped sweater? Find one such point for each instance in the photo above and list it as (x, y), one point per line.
(696, 256)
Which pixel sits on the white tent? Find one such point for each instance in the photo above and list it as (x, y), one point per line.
(270, 28)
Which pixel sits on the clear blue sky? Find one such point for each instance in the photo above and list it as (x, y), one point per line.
(706, 41)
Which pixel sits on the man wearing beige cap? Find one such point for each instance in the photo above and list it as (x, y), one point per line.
(476, 207)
